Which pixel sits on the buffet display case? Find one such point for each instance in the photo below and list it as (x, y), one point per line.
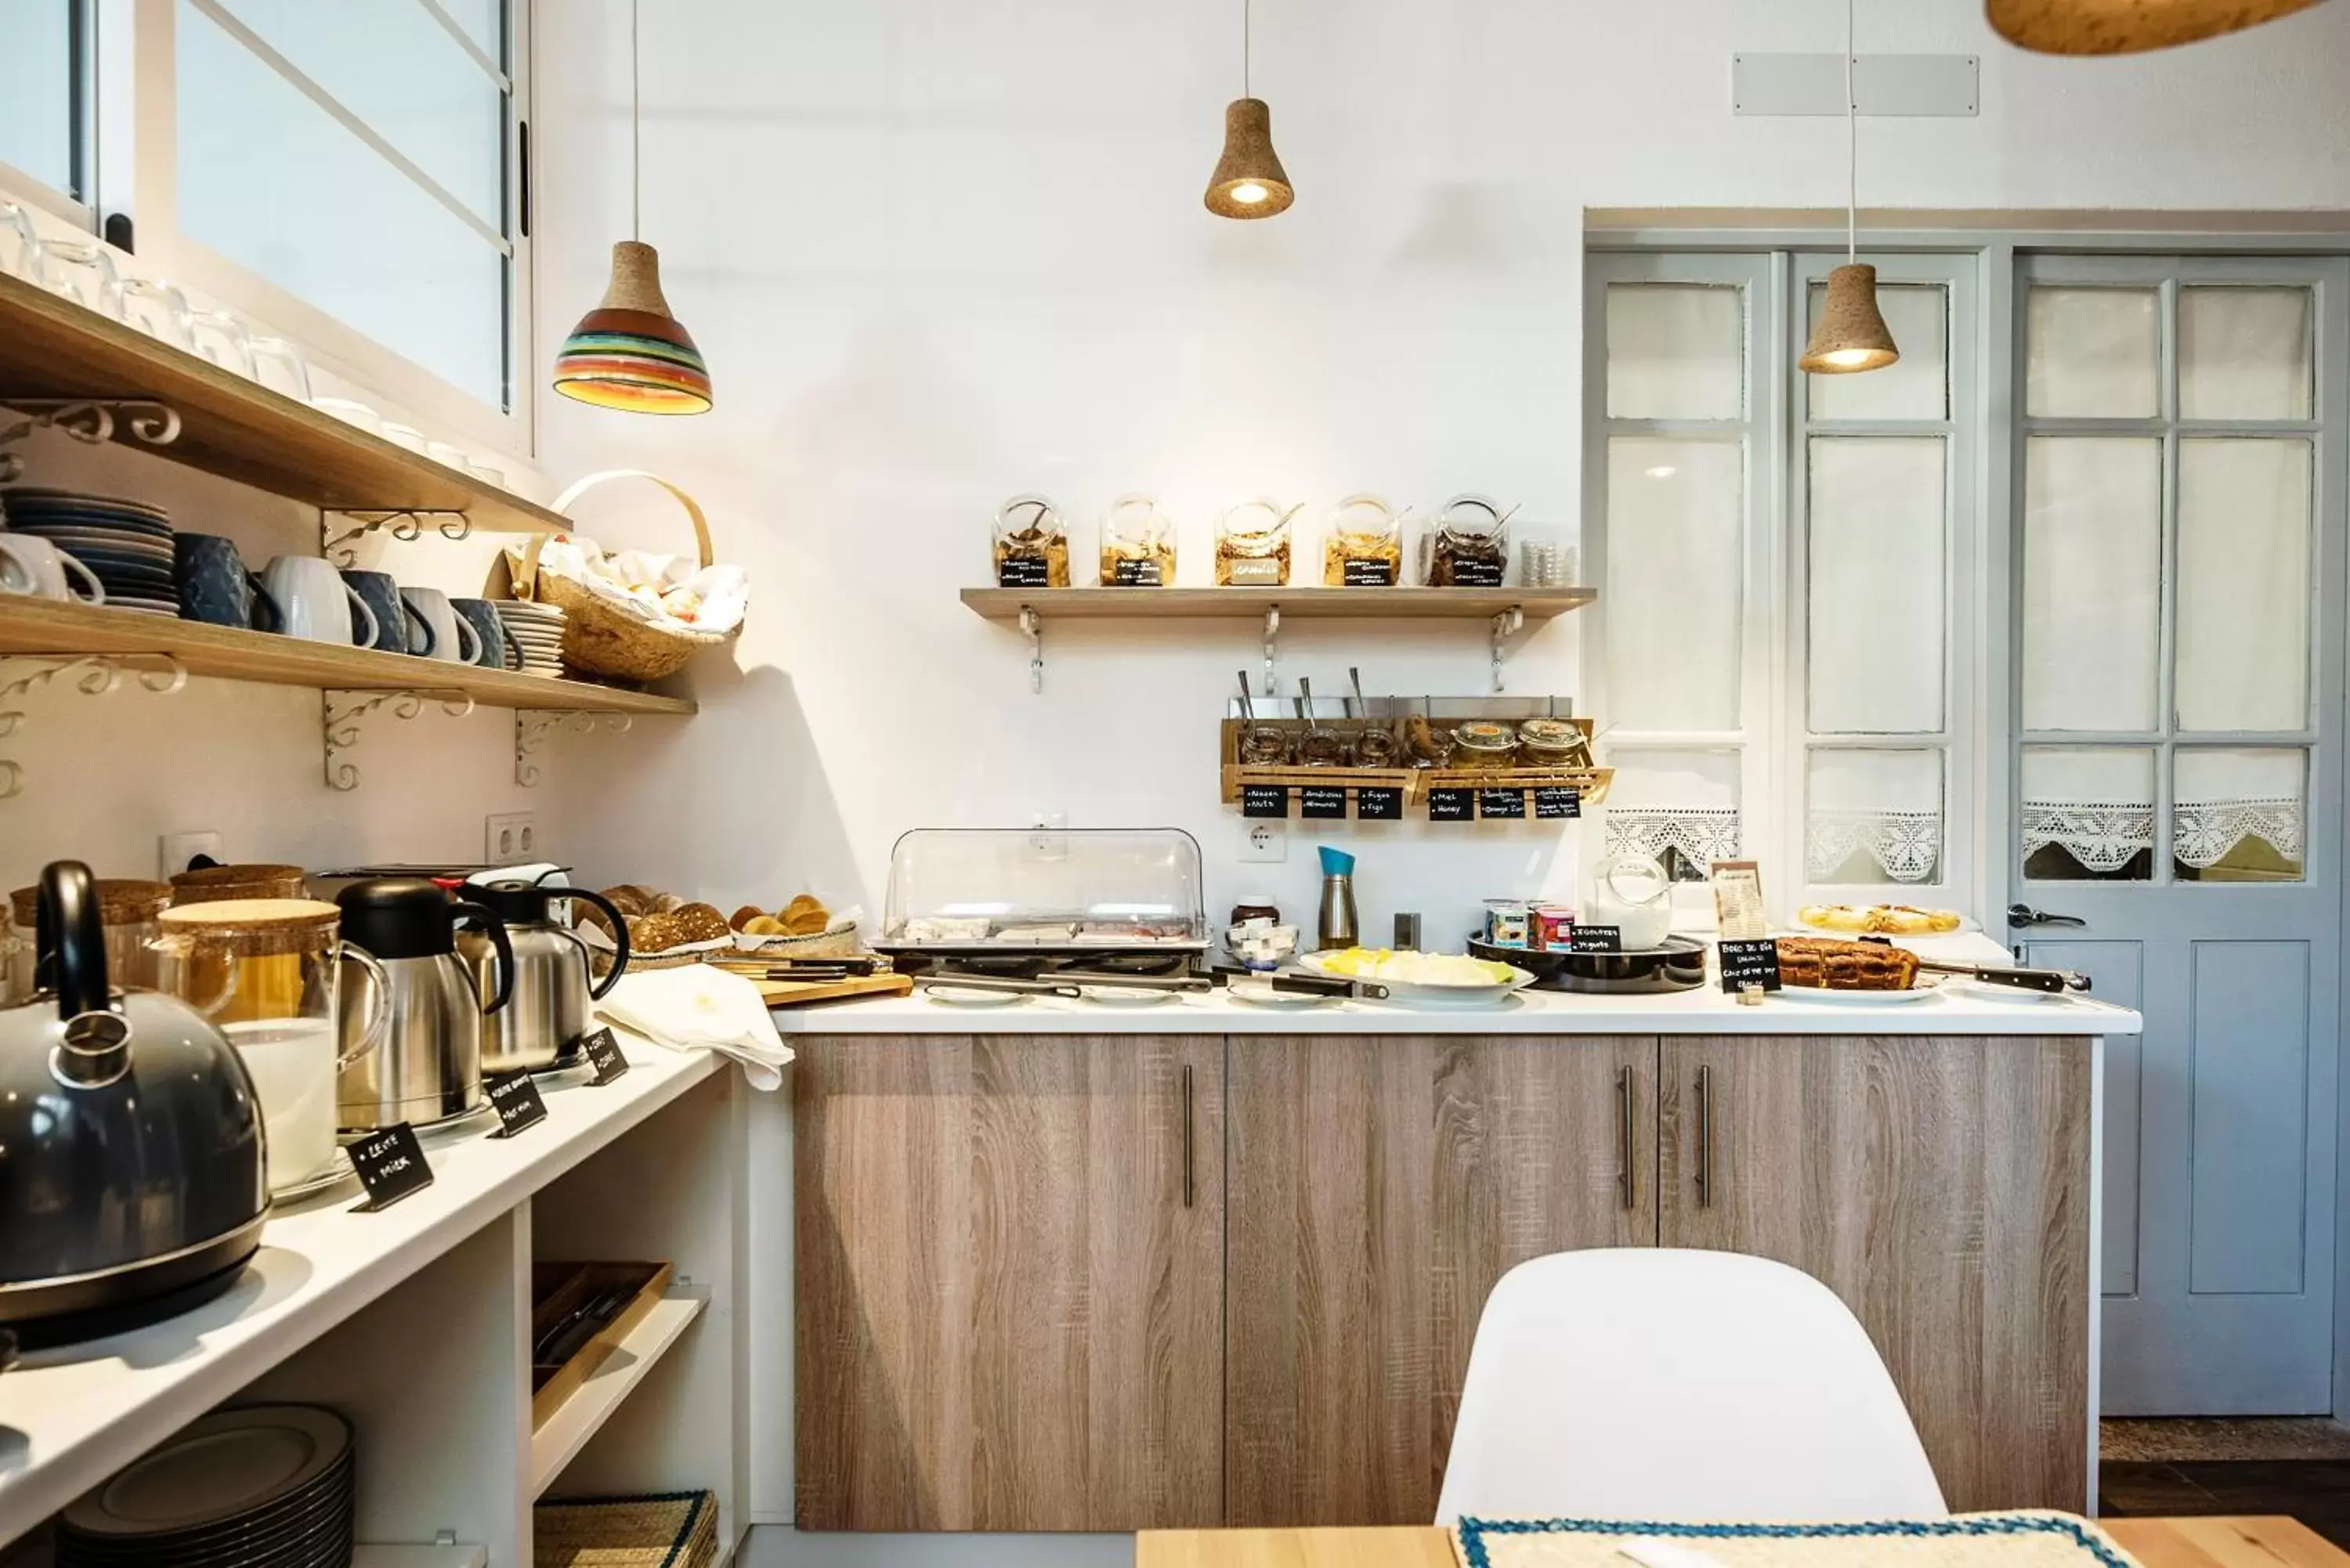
(995, 890)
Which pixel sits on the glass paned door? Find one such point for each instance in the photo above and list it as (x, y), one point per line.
(2176, 622)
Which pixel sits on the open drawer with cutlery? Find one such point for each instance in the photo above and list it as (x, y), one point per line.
(579, 1313)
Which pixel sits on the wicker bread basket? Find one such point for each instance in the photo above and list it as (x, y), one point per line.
(603, 637)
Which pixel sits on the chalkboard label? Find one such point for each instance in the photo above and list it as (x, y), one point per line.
(1749, 963)
(1024, 572)
(1254, 571)
(1451, 804)
(1136, 571)
(1558, 801)
(514, 1097)
(1494, 805)
(392, 1165)
(1584, 938)
(1369, 574)
(1265, 800)
(603, 1053)
(1469, 572)
(1322, 801)
(1378, 805)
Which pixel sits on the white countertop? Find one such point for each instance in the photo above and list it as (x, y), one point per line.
(72, 1416)
(1707, 1009)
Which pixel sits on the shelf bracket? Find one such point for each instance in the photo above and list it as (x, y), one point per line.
(533, 726)
(1035, 629)
(1505, 625)
(341, 712)
(91, 419)
(404, 525)
(1272, 638)
(92, 675)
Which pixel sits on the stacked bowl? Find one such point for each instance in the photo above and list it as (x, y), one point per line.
(125, 543)
(536, 631)
(268, 1486)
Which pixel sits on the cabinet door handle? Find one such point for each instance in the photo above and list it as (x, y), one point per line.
(1187, 1135)
(1624, 1137)
(1705, 1137)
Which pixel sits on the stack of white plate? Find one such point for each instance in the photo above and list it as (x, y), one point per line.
(536, 633)
(269, 1486)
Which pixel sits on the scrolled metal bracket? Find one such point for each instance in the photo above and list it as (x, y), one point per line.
(1505, 625)
(404, 525)
(92, 675)
(533, 726)
(91, 419)
(342, 713)
(1272, 646)
(1030, 624)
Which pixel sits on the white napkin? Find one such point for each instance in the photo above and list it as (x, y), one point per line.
(697, 1007)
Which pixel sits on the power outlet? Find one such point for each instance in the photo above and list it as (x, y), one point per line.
(510, 839)
(1265, 841)
(174, 850)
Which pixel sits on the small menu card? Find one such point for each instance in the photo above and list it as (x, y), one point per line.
(1738, 900)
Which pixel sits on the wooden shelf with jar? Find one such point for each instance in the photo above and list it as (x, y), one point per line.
(1590, 783)
(1360, 604)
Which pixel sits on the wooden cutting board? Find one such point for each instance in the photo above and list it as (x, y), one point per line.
(801, 992)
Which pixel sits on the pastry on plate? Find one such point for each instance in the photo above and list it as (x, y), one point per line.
(1826, 964)
(1881, 919)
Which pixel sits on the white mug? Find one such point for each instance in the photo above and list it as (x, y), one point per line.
(446, 634)
(34, 567)
(316, 603)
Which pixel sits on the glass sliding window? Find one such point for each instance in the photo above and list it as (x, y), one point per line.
(2087, 813)
(1676, 351)
(1879, 585)
(2244, 584)
(1683, 810)
(39, 111)
(384, 201)
(1675, 569)
(2091, 581)
(2246, 353)
(2093, 353)
(1915, 387)
(1873, 816)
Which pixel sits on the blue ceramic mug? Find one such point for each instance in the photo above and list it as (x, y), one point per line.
(380, 593)
(217, 587)
(483, 617)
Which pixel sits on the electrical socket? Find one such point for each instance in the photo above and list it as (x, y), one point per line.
(174, 850)
(1264, 841)
(510, 839)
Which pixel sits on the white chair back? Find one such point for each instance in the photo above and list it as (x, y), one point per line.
(1660, 1383)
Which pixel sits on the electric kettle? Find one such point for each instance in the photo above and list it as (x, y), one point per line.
(429, 1067)
(548, 1017)
(132, 1182)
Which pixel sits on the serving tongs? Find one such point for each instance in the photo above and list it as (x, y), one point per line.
(999, 982)
(759, 968)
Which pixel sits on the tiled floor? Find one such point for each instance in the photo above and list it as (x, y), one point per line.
(2300, 1467)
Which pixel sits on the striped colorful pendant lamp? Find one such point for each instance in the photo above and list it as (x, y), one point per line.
(629, 353)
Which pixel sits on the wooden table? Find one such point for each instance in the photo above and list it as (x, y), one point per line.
(2271, 1542)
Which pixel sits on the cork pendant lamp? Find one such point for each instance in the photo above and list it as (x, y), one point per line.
(2126, 26)
(1248, 181)
(630, 353)
(1851, 335)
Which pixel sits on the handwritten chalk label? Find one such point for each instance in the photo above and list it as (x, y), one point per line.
(390, 1164)
(1024, 572)
(1494, 805)
(1265, 800)
(514, 1097)
(603, 1053)
(1370, 574)
(1584, 938)
(1749, 963)
(1451, 804)
(1254, 571)
(1556, 801)
(1131, 572)
(1471, 573)
(1378, 805)
(1322, 801)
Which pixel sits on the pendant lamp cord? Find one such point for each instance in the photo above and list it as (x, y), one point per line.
(1244, 49)
(1851, 148)
(636, 131)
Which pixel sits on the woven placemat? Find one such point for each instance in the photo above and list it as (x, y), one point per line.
(2025, 1538)
(668, 1530)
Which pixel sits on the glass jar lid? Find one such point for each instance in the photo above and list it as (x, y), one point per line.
(1365, 520)
(1256, 525)
(1136, 520)
(1029, 520)
(121, 901)
(1484, 735)
(252, 928)
(1550, 735)
(1470, 516)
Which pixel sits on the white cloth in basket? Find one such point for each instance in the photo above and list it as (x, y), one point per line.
(698, 1008)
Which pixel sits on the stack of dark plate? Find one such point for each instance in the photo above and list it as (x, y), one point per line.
(126, 543)
(268, 1486)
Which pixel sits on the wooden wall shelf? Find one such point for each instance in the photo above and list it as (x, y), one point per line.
(51, 348)
(30, 627)
(1362, 604)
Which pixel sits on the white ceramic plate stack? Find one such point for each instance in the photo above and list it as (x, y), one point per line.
(126, 543)
(269, 1486)
(536, 633)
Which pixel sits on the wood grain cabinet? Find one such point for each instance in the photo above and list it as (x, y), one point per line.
(1376, 1188)
(1010, 1292)
(1940, 1186)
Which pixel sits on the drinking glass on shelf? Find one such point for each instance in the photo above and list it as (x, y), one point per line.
(350, 412)
(223, 340)
(446, 453)
(406, 436)
(20, 244)
(291, 372)
(160, 310)
(82, 271)
(485, 474)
